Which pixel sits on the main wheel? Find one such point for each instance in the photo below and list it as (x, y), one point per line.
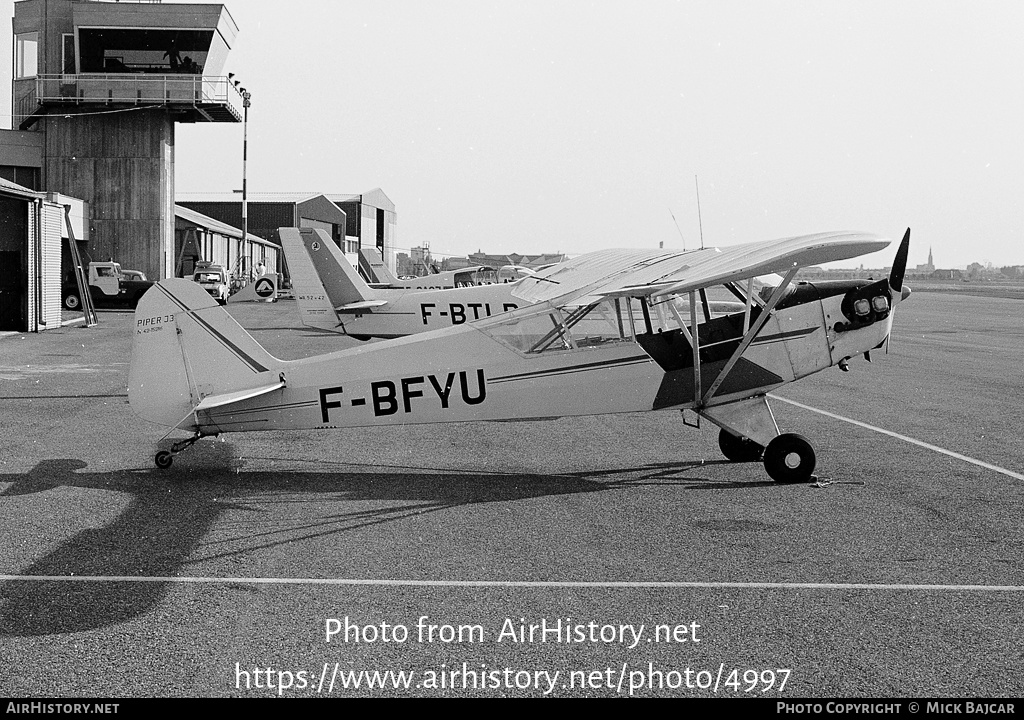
(739, 449)
(789, 458)
(72, 302)
(164, 459)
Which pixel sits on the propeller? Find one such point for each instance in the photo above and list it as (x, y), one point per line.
(899, 267)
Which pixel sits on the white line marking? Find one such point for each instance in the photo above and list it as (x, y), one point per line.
(936, 448)
(511, 583)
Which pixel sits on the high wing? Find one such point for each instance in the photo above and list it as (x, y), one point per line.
(612, 273)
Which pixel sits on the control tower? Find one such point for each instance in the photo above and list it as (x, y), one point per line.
(105, 83)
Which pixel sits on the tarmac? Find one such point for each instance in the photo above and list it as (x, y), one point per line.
(606, 556)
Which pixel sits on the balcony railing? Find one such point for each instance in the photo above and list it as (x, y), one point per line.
(177, 90)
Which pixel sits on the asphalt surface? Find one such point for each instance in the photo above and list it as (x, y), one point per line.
(901, 574)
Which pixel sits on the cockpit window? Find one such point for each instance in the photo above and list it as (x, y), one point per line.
(617, 319)
(480, 276)
(569, 328)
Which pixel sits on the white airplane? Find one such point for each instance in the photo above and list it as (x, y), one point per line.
(579, 350)
(332, 296)
(463, 277)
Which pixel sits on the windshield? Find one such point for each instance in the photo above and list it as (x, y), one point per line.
(208, 277)
(480, 276)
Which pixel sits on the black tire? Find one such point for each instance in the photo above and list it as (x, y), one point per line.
(72, 302)
(739, 449)
(789, 458)
(164, 459)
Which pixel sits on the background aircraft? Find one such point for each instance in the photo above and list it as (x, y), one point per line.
(262, 289)
(578, 350)
(463, 277)
(332, 296)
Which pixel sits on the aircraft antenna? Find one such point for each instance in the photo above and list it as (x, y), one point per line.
(699, 222)
(677, 227)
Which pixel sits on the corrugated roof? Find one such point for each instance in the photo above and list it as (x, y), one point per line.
(286, 197)
(16, 189)
(233, 197)
(215, 225)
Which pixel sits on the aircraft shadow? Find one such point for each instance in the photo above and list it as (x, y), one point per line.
(167, 524)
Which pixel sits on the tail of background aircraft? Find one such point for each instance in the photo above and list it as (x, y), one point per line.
(322, 279)
(189, 354)
(379, 270)
(263, 289)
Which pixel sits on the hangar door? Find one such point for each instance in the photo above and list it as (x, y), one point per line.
(12, 291)
(13, 242)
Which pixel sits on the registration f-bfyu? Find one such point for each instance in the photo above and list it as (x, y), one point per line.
(609, 332)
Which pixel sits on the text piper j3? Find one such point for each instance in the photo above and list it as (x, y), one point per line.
(609, 332)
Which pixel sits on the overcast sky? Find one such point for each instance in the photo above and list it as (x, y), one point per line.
(569, 125)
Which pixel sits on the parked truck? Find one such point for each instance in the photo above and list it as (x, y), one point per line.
(108, 285)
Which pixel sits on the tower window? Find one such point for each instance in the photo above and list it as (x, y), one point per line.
(26, 55)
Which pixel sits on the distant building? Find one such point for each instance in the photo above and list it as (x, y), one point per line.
(929, 267)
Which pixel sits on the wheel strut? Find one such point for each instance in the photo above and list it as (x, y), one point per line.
(164, 458)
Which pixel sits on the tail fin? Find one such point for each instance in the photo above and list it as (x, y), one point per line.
(322, 279)
(187, 349)
(372, 259)
(263, 289)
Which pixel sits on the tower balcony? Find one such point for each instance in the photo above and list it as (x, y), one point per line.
(192, 98)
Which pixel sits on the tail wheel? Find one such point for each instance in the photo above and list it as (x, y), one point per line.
(164, 459)
(739, 449)
(72, 302)
(789, 458)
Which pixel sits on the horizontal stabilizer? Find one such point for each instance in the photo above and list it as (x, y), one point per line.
(360, 306)
(212, 401)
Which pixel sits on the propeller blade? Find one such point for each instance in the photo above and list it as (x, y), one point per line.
(899, 265)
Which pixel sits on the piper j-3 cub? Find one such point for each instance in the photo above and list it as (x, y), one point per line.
(612, 331)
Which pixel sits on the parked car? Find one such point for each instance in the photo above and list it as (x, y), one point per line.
(214, 279)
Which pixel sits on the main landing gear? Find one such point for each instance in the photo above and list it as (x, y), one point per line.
(788, 458)
(164, 458)
(739, 449)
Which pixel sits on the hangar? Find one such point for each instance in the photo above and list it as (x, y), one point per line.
(198, 237)
(363, 220)
(34, 227)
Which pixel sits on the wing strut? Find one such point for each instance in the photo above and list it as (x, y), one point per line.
(695, 342)
(748, 337)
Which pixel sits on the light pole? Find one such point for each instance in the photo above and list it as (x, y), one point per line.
(246, 95)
